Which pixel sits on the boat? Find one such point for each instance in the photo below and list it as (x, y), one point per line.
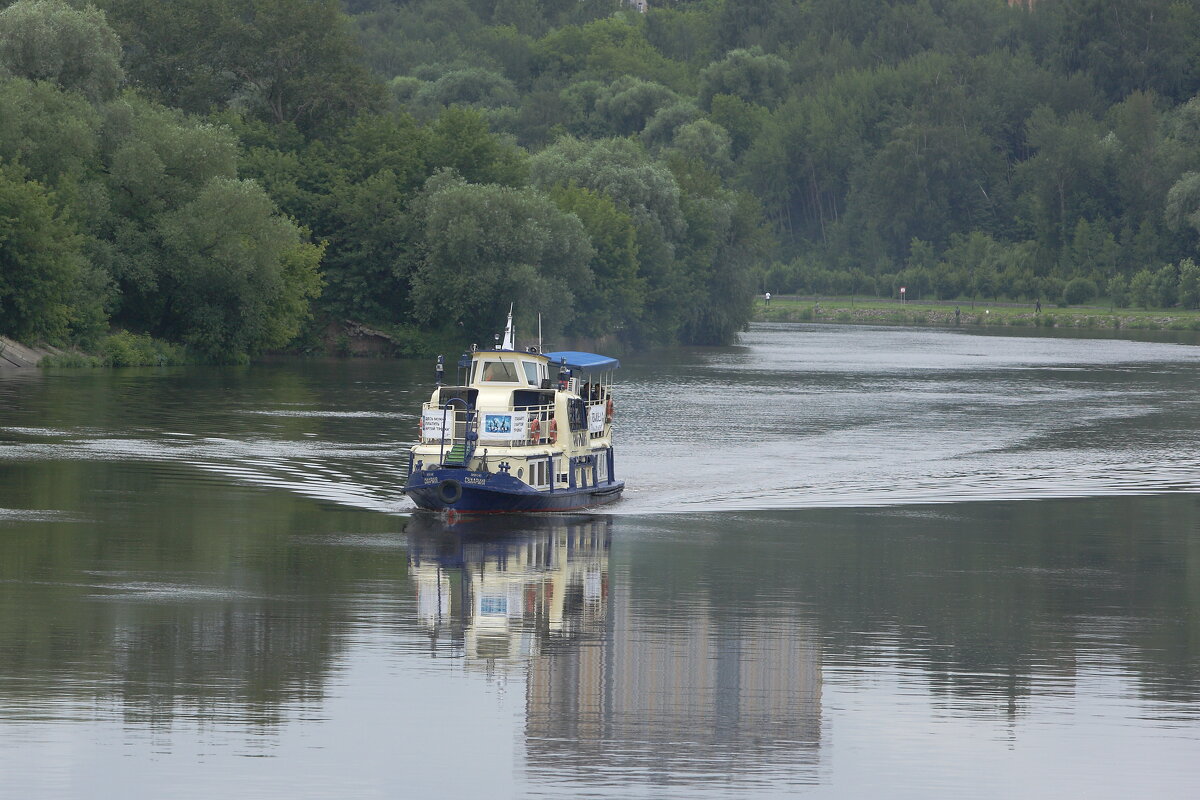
(519, 431)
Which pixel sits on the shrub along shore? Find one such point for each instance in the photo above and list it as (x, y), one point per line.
(942, 313)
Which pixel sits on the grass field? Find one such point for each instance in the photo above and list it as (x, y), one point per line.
(1018, 315)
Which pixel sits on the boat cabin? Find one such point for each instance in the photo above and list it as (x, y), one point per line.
(533, 429)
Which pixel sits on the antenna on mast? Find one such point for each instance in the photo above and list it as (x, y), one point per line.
(540, 348)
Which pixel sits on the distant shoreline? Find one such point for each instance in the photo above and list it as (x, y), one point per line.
(993, 315)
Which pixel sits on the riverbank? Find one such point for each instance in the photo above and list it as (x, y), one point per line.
(859, 312)
(14, 355)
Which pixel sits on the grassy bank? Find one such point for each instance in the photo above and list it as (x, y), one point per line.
(121, 349)
(939, 314)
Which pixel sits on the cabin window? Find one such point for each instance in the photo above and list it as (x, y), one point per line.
(531, 376)
(499, 372)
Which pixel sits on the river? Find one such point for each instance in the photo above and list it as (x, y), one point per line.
(850, 563)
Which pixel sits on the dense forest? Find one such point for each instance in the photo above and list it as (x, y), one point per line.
(235, 176)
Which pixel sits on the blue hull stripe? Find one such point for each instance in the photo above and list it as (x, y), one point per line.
(481, 493)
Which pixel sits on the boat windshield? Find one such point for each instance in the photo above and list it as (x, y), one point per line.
(499, 372)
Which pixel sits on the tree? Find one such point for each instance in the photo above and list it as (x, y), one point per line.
(1189, 283)
(1141, 288)
(613, 303)
(285, 61)
(237, 277)
(628, 103)
(620, 169)
(703, 142)
(474, 86)
(49, 40)
(40, 261)
(1065, 179)
(751, 75)
(461, 141)
(1118, 291)
(1079, 291)
(487, 246)
(1183, 202)
(54, 134)
(660, 129)
(1165, 288)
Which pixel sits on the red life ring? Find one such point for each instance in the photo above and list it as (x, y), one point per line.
(553, 431)
(535, 430)
(608, 410)
(421, 428)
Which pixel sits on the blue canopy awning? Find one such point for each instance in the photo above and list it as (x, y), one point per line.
(583, 362)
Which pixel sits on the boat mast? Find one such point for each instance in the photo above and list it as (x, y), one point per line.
(508, 331)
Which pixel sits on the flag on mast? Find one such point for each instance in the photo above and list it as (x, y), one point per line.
(508, 331)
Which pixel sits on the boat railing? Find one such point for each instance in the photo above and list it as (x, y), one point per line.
(539, 424)
(450, 425)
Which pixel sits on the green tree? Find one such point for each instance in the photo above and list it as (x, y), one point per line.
(1183, 202)
(1165, 288)
(1141, 288)
(1118, 291)
(50, 40)
(237, 277)
(1065, 179)
(620, 169)
(475, 87)
(1079, 291)
(40, 261)
(285, 61)
(628, 103)
(614, 301)
(660, 129)
(460, 140)
(1189, 283)
(52, 133)
(705, 143)
(487, 246)
(1094, 250)
(752, 75)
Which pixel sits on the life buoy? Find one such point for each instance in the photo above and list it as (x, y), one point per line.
(421, 428)
(535, 430)
(608, 410)
(553, 431)
(450, 491)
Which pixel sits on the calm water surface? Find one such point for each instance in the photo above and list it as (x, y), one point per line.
(850, 563)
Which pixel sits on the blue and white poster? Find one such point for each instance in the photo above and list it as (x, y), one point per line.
(504, 427)
(499, 424)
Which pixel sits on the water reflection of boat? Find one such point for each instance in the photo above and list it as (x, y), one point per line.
(618, 681)
(512, 436)
(502, 588)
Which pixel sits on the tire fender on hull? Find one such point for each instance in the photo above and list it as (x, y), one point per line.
(449, 491)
